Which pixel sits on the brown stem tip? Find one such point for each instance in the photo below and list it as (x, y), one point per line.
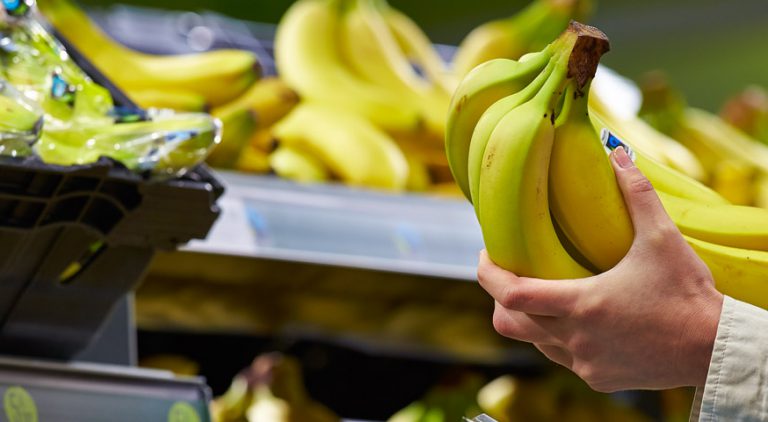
(591, 44)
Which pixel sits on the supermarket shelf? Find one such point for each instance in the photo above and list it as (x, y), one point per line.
(271, 219)
(34, 390)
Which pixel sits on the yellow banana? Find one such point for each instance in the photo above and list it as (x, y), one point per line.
(514, 206)
(253, 160)
(165, 98)
(663, 177)
(739, 273)
(238, 126)
(728, 225)
(529, 30)
(270, 99)
(484, 86)
(352, 148)
(219, 76)
(761, 191)
(734, 180)
(372, 51)
(308, 59)
(584, 196)
(293, 164)
(645, 139)
(418, 47)
(419, 179)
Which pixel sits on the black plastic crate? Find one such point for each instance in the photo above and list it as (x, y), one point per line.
(75, 240)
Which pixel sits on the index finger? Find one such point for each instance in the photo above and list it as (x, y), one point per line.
(556, 298)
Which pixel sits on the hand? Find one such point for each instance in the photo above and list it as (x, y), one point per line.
(648, 323)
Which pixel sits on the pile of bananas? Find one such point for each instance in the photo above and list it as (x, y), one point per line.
(52, 109)
(525, 148)
(361, 98)
(270, 390)
(736, 165)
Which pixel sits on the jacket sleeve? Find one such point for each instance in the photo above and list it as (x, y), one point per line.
(737, 381)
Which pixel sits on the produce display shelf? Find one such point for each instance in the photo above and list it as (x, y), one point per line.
(37, 390)
(267, 218)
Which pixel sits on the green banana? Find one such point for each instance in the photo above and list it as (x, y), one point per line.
(481, 88)
(488, 121)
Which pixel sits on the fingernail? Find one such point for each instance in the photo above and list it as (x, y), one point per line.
(622, 158)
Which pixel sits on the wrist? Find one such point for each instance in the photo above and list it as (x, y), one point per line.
(701, 330)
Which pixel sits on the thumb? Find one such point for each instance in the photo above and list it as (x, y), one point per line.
(645, 208)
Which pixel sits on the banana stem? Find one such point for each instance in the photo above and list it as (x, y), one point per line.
(591, 43)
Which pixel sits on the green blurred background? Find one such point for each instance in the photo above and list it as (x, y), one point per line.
(710, 48)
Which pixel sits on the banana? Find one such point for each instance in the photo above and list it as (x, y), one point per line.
(372, 51)
(484, 86)
(739, 273)
(514, 206)
(293, 164)
(647, 140)
(761, 191)
(748, 112)
(663, 177)
(418, 48)
(734, 180)
(164, 98)
(308, 59)
(270, 99)
(233, 403)
(728, 225)
(352, 148)
(239, 124)
(583, 191)
(419, 179)
(488, 121)
(529, 30)
(253, 160)
(219, 76)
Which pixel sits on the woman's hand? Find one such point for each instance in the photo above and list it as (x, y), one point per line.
(649, 323)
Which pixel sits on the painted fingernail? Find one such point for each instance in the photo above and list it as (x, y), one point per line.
(622, 158)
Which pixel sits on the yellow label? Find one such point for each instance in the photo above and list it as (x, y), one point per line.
(19, 405)
(183, 412)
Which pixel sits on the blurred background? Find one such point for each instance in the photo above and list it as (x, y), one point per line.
(710, 48)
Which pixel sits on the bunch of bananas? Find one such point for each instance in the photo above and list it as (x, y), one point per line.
(736, 165)
(72, 120)
(270, 390)
(537, 174)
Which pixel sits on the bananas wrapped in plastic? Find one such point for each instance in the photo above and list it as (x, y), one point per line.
(75, 118)
(21, 122)
(524, 146)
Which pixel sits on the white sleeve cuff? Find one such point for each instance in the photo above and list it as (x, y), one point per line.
(737, 381)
